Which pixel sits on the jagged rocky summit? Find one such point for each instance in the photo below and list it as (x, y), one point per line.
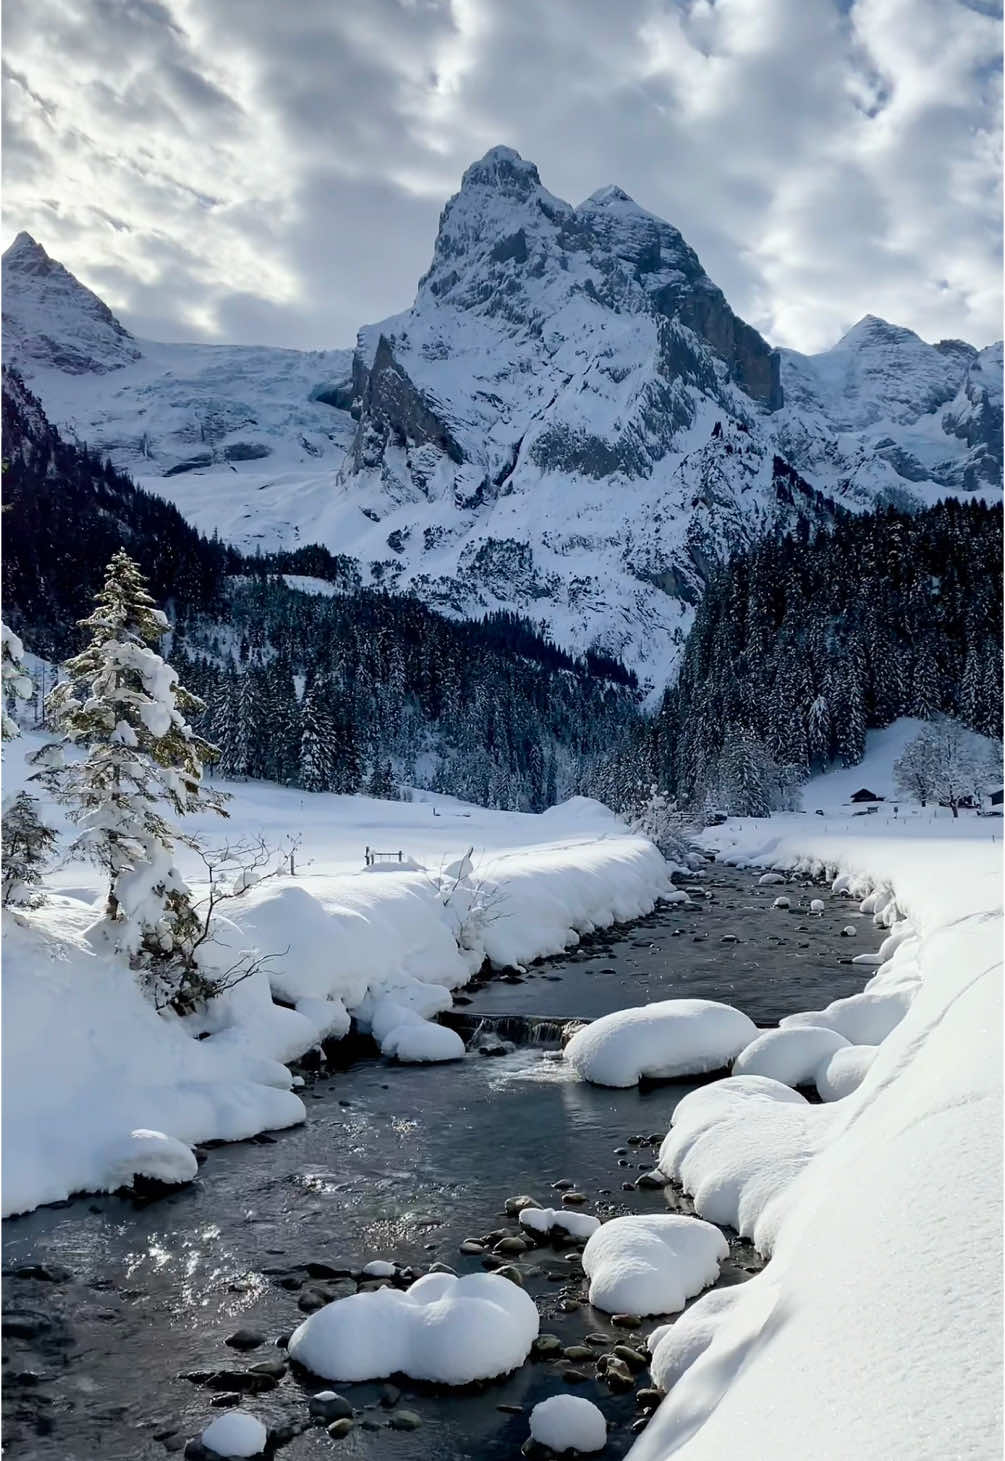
(570, 421)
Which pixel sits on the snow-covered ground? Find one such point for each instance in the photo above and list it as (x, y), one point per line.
(88, 1063)
(881, 1210)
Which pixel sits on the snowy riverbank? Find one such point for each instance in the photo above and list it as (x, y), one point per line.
(881, 1211)
(88, 1062)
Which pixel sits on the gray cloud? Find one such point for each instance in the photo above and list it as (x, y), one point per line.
(242, 170)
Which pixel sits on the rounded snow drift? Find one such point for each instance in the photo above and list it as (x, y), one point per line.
(675, 1347)
(844, 1071)
(863, 1019)
(568, 1423)
(444, 1329)
(651, 1264)
(792, 1056)
(674, 1037)
(235, 1434)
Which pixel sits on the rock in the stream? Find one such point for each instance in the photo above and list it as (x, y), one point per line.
(630, 1357)
(514, 1206)
(405, 1420)
(511, 1244)
(42, 1272)
(654, 1178)
(245, 1339)
(340, 1428)
(327, 1405)
(546, 1346)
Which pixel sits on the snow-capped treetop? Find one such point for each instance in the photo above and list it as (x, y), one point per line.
(16, 681)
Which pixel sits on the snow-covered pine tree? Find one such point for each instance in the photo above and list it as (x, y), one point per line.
(28, 845)
(318, 768)
(16, 682)
(122, 706)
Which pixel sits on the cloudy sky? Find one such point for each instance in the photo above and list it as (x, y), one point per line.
(254, 171)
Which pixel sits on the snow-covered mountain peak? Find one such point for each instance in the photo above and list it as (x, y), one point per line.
(51, 319)
(502, 168)
(26, 254)
(569, 422)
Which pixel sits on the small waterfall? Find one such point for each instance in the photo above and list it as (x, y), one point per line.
(476, 1030)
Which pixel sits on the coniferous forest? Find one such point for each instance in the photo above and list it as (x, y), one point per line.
(808, 640)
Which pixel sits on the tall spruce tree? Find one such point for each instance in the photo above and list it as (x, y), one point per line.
(121, 706)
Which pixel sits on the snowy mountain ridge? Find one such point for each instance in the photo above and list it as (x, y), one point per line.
(569, 421)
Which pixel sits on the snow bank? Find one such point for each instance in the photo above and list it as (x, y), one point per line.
(791, 1056)
(674, 1037)
(568, 1423)
(87, 1061)
(88, 1065)
(881, 1210)
(651, 1264)
(445, 1329)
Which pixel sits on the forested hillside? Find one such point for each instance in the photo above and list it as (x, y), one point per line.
(804, 642)
(352, 690)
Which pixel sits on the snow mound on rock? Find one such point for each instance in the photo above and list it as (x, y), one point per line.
(443, 1329)
(674, 1347)
(568, 1423)
(651, 1264)
(399, 1022)
(543, 1219)
(154, 1155)
(419, 1042)
(792, 1055)
(674, 1037)
(235, 1434)
(863, 1019)
(844, 1071)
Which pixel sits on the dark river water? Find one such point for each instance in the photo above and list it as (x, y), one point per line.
(398, 1162)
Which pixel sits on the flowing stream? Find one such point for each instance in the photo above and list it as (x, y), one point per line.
(118, 1300)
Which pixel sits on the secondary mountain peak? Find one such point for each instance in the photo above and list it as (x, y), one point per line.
(53, 321)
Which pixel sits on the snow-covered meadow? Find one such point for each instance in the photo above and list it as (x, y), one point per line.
(88, 1062)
